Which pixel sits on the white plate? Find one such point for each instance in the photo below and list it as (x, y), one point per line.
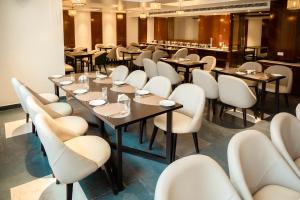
(167, 103)
(241, 73)
(142, 92)
(65, 82)
(163, 58)
(217, 68)
(97, 102)
(119, 83)
(80, 91)
(276, 75)
(57, 76)
(101, 76)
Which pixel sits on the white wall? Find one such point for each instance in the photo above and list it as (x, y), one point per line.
(132, 28)
(82, 21)
(185, 28)
(31, 45)
(254, 31)
(109, 27)
(150, 29)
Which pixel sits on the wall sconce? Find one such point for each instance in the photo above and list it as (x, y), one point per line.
(120, 16)
(293, 4)
(72, 12)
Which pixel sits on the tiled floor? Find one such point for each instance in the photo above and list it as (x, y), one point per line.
(25, 173)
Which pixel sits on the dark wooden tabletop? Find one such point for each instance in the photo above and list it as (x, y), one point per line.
(183, 63)
(131, 52)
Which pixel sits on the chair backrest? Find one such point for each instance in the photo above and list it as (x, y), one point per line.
(298, 111)
(158, 54)
(111, 45)
(192, 97)
(119, 53)
(285, 71)
(16, 84)
(119, 73)
(133, 48)
(211, 62)
(235, 92)
(150, 67)
(193, 57)
(181, 53)
(194, 177)
(166, 70)
(100, 58)
(67, 165)
(254, 163)
(97, 46)
(112, 54)
(144, 54)
(158, 47)
(160, 86)
(78, 49)
(135, 44)
(207, 82)
(151, 47)
(251, 66)
(285, 134)
(137, 79)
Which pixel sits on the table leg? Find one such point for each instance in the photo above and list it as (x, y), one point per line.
(91, 61)
(119, 163)
(277, 96)
(186, 74)
(262, 99)
(56, 88)
(131, 62)
(169, 137)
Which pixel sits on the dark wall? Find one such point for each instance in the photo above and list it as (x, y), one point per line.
(142, 29)
(121, 30)
(96, 28)
(69, 30)
(163, 28)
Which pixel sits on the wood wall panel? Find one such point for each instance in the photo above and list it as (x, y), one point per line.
(69, 30)
(142, 30)
(121, 30)
(160, 28)
(96, 28)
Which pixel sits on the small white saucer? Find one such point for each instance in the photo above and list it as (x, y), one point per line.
(142, 92)
(241, 73)
(57, 76)
(118, 82)
(167, 103)
(80, 91)
(276, 75)
(101, 76)
(65, 82)
(97, 102)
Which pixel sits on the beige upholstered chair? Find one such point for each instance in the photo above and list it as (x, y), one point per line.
(209, 84)
(98, 46)
(137, 79)
(69, 68)
(251, 66)
(78, 49)
(158, 47)
(194, 177)
(45, 97)
(150, 47)
(258, 171)
(211, 62)
(166, 70)
(298, 111)
(185, 120)
(75, 159)
(158, 54)
(193, 57)
(150, 67)
(181, 53)
(139, 60)
(119, 73)
(120, 54)
(112, 54)
(285, 134)
(236, 93)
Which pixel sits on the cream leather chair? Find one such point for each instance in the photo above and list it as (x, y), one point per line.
(166, 70)
(285, 134)
(193, 57)
(211, 62)
(185, 120)
(251, 66)
(137, 79)
(158, 54)
(78, 49)
(151, 48)
(69, 68)
(209, 84)
(236, 93)
(112, 54)
(150, 67)
(285, 85)
(98, 46)
(194, 177)
(45, 97)
(158, 47)
(258, 171)
(75, 159)
(298, 111)
(139, 60)
(120, 54)
(181, 53)
(119, 73)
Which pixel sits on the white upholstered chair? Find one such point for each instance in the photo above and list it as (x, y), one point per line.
(258, 171)
(75, 159)
(298, 111)
(119, 54)
(119, 73)
(158, 47)
(251, 66)
(211, 62)
(137, 79)
(158, 54)
(285, 135)
(45, 97)
(69, 68)
(78, 49)
(181, 53)
(150, 47)
(166, 70)
(193, 57)
(236, 93)
(185, 120)
(98, 46)
(209, 84)
(139, 60)
(194, 177)
(150, 67)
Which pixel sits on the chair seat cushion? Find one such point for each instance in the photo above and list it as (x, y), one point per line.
(51, 98)
(181, 123)
(297, 162)
(64, 109)
(250, 83)
(93, 148)
(75, 125)
(68, 68)
(270, 87)
(298, 111)
(276, 192)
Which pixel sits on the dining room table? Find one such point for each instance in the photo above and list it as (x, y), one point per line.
(78, 56)
(261, 78)
(187, 64)
(140, 109)
(132, 53)
(105, 48)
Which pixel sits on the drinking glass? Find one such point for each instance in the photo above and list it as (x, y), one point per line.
(97, 74)
(104, 93)
(72, 76)
(87, 83)
(127, 104)
(86, 71)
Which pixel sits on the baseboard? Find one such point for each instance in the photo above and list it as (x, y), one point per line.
(8, 107)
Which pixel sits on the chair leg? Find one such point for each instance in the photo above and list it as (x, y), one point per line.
(222, 110)
(154, 133)
(105, 69)
(27, 117)
(196, 142)
(245, 116)
(109, 174)
(43, 150)
(214, 102)
(174, 143)
(33, 128)
(69, 191)
(256, 91)
(286, 97)
(142, 125)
